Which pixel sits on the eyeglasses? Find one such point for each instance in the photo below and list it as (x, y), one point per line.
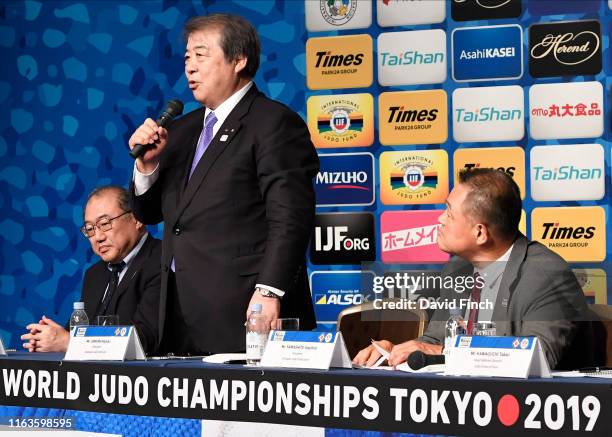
(104, 224)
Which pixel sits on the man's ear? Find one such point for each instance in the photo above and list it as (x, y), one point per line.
(241, 64)
(481, 233)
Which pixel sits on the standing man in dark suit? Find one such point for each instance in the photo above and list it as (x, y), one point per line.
(232, 182)
(521, 285)
(125, 282)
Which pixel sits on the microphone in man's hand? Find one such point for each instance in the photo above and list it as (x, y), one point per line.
(173, 108)
(417, 360)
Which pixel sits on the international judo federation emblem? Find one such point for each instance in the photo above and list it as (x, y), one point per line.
(413, 177)
(338, 12)
(340, 121)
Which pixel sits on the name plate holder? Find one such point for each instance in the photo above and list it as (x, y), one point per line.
(2, 350)
(512, 357)
(305, 350)
(104, 343)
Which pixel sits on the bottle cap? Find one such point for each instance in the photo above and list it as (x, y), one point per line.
(256, 308)
(78, 305)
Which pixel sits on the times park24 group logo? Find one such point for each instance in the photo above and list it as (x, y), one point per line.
(510, 160)
(417, 177)
(577, 234)
(343, 120)
(339, 62)
(413, 117)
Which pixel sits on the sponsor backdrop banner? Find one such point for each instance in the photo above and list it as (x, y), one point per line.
(398, 95)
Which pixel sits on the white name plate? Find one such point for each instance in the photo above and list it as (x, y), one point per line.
(305, 350)
(513, 357)
(2, 350)
(104, 343)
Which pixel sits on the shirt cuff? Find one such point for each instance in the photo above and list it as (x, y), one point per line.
(144, 181)
(279, 293)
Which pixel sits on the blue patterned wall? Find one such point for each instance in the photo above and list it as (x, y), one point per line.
(77, 78)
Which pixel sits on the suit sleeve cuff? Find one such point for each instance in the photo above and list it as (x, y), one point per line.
(279, 293)
(144, 181)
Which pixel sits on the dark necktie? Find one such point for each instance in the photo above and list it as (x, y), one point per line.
(474, 299)
(115, 270)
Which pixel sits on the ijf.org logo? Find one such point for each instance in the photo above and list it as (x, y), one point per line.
(414, 177)
(338, 12)
(343, 238)
(341, 121)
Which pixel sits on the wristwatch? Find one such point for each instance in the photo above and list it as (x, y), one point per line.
(267, 293)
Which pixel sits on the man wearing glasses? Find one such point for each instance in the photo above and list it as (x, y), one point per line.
(125, 282)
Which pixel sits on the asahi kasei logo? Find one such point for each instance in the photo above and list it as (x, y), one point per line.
(567, 48)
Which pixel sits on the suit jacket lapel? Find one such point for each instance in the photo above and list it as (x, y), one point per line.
(97, 292)
(504, 294)
(134, 267)
(221, 140)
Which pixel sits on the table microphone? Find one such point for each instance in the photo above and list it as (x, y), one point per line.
(173, 108)
(417, 360)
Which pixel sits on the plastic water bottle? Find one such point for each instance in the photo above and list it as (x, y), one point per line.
(257, 330)
(455, 325)
(78, 316)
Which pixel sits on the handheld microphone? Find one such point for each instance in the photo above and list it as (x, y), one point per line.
(417, 360)
(173, 108)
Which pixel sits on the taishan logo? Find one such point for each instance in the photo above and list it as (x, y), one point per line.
(487, 113)
(413, 117)
(575, 233)
(339, 62)
(411, 57)
(342, 120)
(414, 177)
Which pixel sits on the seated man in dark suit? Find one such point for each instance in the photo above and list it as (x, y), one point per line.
(525, 288)
(125, 282)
